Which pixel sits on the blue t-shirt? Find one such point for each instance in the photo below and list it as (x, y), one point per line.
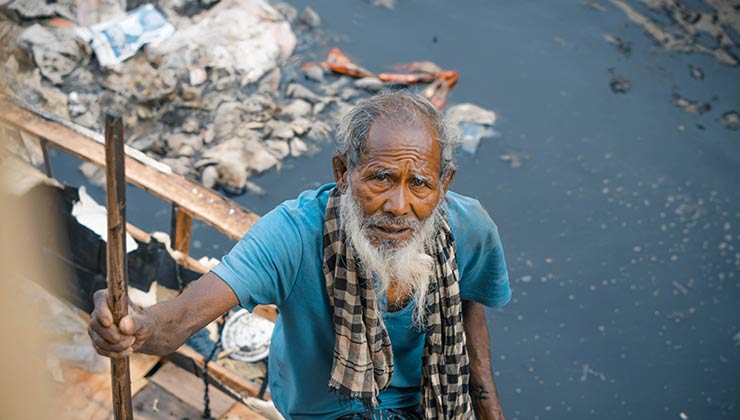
(279, 261)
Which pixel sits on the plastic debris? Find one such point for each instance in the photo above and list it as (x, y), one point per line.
(691, 106)
(684, 24)
(34, 9)
(94, 216)
(624, 47)
(440, 81)
(221, 39)
(387, 4)
(119, 39)
(731, 120)
(619, 84)
(696, 72)
(475, 124)
(56, 51)
(472, 134)
(471, 113)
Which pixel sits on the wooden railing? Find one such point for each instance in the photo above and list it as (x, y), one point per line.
(188, 199)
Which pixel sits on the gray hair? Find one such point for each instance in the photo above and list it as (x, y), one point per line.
(404, 107)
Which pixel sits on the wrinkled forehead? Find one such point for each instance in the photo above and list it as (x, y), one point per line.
(394, 140)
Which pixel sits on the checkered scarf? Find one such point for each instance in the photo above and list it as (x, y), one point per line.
(363, 359)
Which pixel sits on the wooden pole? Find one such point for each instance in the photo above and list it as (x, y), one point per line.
(116, 256)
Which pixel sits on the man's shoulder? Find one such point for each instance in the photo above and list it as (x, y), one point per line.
(309, 200)
(465, 208)
(308, 209)
(468, 219)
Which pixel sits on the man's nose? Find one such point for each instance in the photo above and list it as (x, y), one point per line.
(397, 202)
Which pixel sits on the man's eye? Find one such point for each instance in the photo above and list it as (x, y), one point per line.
(419, 182)
(381, 177)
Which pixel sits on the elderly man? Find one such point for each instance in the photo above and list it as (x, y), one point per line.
(380, 281)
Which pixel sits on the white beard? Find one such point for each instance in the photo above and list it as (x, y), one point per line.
(406, 264)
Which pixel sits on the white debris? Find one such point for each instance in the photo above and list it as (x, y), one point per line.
(95, 217)
(232, 36)
(119, 39)
(56, 51)
(587, 371)
(474, 122)
(470, 113)
(142, 298)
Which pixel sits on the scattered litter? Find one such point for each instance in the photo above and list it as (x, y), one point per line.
(696, 72)
(472, 134)
(683, 416)
(116, 40)
(515, 159)
(309, 18)
(680, 287)
(236, 159)
(94, 216)
(594, 5)
(694, 107)
(35, 9)
(56, 51)
(731, 120)
(371, 84)
(475, 124)
(624, 48)
(587, 371)
(184, 95)
(684, 25)
(388, 4)
(619, 84)
(440, 81)
(471, 113)
(222, 37)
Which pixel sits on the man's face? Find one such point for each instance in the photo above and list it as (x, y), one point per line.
(397, 183)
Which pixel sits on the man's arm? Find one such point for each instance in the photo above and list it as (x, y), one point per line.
(482, 386)
(160, 329)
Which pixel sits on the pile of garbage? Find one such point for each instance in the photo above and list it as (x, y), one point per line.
(217, 90)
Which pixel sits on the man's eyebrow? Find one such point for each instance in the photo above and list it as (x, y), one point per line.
(423, 178)
(379, 170)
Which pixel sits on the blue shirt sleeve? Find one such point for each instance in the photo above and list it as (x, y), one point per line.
(262, 267)
(483, 274)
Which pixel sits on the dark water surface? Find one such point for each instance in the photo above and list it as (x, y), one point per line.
(622, 226)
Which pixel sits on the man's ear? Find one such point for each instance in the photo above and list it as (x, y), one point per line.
(447, 180)
(339, 165)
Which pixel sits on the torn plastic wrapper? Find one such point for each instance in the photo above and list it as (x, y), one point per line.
(117, 40)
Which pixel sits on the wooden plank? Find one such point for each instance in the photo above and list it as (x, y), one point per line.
(190, 359)
(45, 154)
(156, 403)
(183, 223)
(86, 395)
(189, 388)
(241, 412)
(194, 199)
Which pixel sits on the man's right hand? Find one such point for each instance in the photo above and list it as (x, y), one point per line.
(120, 340)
